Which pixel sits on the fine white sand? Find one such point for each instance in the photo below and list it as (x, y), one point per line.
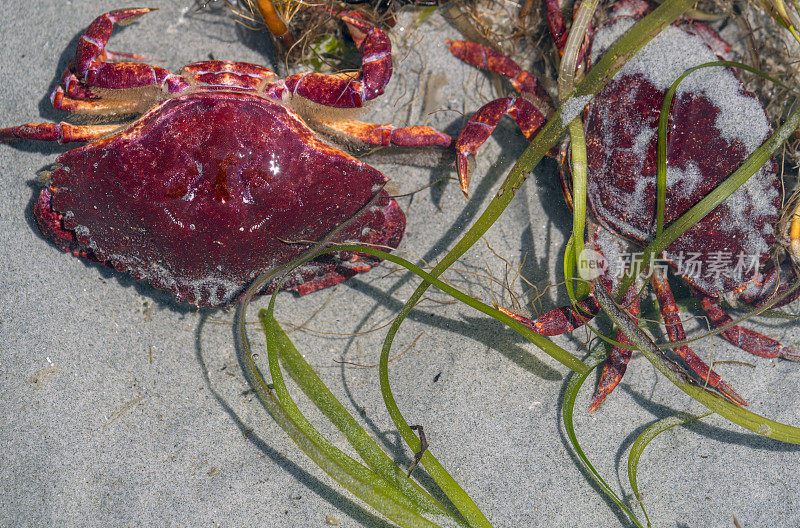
(119, 407)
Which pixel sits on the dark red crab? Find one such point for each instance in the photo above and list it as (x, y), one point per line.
(714, 124)
(208, 188)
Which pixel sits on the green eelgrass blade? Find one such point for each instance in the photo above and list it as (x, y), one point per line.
(307, 439)
(627, 46)
(567, 410)
(738, 415)
(566, 84)
(324, 399)
(374, 490)
(641, 442)
(355, 477)
(569, 267)
(457, 496)
(579, 178)
(661, 148)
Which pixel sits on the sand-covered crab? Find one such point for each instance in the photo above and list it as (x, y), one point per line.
(714, 124)
(212, 183)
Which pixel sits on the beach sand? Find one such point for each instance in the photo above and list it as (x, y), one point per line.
(121, 407)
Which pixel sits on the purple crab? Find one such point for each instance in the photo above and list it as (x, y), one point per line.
(218, 179)
(714, 124)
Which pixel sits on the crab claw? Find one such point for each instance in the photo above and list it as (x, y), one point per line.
(465, 161)
(93, 42)
(483, 122)
(376, 53)
(529, 111)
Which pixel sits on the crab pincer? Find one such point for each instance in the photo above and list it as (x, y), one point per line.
(91, 69)
(346, 90)
(529, 111)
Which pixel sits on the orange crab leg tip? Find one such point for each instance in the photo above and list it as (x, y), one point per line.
(597, 400)
(455, 46)
(515, 316)
(727, 391)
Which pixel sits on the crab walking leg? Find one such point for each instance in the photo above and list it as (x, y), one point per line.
(764, 288)
(558, 27)
(95, 107)
(483, 122)
(556, 24)
(489, 60)
(386, 134)
(71, 95)
(73, 87)
(60, 132)
(559, 320)
(617, 361)
(744, 338)
(350, 90)
(671, 315)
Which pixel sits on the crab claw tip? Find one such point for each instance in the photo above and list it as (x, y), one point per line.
(464, 180)
(463, 166)
(123, 17)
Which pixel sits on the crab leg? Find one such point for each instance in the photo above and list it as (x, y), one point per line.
(483, 122)
(386, 134)
(744, 338)
(76, 98)
(558, 27)
(489, 60)
(346, 90)
(530, 111)
(559, 320)
(671, 314)
(762, 289)
(60, 132)
(91, 46)
(556, 23)
(71, 95)
(617, 361)
(123, 75)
